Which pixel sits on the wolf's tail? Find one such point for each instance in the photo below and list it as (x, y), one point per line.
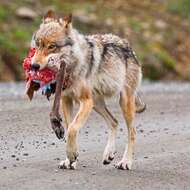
(140, 105)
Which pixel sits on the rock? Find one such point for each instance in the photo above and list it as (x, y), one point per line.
(160, 24)
(109, 22)
(141, 131)
(93, 173)
(26, 13)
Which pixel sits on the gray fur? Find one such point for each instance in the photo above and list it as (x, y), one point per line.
(98, 66)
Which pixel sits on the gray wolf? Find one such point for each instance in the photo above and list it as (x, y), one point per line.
(101, 66)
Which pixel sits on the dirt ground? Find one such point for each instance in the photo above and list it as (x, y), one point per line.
(30, 152)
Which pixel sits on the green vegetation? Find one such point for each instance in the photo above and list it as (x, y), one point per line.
(181, 7)
(3, 13)
(135, 24)
(157, 29)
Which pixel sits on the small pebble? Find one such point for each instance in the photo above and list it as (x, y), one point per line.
(25, 154)
(13, 156)
(141, 131)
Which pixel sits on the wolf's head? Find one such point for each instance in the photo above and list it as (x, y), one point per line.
(51, 39)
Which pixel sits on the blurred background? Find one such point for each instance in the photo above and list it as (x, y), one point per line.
(159, 31)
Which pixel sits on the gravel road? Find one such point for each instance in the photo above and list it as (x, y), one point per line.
(30, 152)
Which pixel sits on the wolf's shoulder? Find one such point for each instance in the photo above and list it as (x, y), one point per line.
(107, 39)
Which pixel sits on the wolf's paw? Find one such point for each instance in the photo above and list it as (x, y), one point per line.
(57, 127)
(67, 164)
(108, 155)
(59, 131)
(124, 165)
(72, 155)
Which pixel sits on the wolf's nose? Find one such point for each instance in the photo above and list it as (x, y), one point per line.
(35, 66)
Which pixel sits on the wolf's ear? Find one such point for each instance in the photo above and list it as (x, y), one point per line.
(49, 16)
(67, 22)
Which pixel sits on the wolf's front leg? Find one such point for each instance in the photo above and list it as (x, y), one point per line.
(67, 107)
(86, 105)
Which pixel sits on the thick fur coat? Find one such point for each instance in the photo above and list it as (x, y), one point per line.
(99, 66)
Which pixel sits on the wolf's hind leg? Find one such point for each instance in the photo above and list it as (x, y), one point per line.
(127, 103)
(109, 152)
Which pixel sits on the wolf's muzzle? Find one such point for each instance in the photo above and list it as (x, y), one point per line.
(35, 66)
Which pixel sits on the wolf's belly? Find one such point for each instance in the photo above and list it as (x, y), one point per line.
(107, 85)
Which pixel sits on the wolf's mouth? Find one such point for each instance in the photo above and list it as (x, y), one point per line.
(44, 78)
(36, 79)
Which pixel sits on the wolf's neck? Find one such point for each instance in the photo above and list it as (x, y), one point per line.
(79, 45)
(78, 38)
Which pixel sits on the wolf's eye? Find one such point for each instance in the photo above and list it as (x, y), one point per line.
(52, 46)
(37, 43)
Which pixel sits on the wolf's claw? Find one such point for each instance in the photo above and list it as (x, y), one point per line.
(124, 165)
(67, 164)
(59, 132)
(57, 127)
